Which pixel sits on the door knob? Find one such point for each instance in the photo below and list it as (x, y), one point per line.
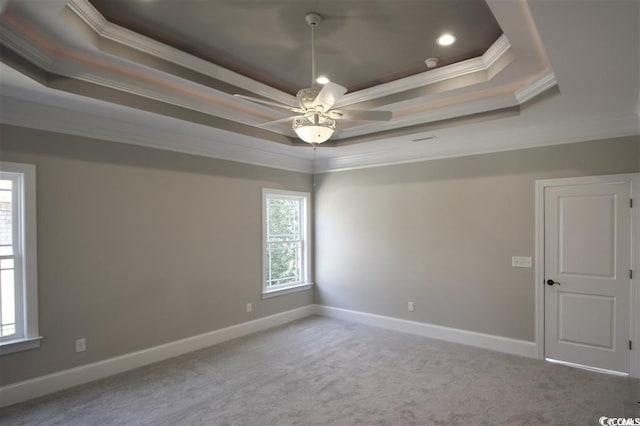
(552, 282)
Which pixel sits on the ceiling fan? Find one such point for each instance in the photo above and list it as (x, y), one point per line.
(317, 120)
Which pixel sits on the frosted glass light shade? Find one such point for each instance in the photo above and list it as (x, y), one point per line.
(314, 128)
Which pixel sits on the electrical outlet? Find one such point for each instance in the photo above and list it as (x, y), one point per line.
(411, 307)
(81, 345)
(249, 307)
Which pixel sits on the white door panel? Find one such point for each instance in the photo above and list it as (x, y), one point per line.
(595, 329)
(587, 255)
(587, 236)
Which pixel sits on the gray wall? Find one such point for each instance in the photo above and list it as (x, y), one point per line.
(139, 247)
(441, 233)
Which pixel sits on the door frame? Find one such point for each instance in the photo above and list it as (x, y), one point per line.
(634, 312)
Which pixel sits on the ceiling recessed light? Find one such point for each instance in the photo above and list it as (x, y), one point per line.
(446, 39)
(322, 80)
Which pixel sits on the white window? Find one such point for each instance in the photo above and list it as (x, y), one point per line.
(18, 264)
(285, 241)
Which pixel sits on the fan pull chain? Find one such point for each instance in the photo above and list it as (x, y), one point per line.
(314, 163)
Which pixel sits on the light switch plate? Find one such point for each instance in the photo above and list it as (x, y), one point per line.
(522, 262)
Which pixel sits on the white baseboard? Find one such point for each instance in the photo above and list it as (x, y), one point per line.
(39, 386)
(33, 388)
(471, 338)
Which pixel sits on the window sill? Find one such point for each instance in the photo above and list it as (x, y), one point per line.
(286, 290)
(11, 346)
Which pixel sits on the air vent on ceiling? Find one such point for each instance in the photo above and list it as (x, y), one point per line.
(426, 138)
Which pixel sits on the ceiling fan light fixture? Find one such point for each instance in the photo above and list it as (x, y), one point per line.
(317, 124)
(314, 128)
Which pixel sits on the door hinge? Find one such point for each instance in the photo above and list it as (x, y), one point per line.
(630, 345)
(630, 274)
(631, 202)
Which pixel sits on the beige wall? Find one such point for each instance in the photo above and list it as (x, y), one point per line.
(138, 247)
(441, 233)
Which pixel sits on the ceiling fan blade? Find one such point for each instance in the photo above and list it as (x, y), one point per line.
(282, 120)
(361, 115)
(274, 104)
(329, 95)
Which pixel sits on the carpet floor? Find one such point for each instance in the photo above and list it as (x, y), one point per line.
(321, 371)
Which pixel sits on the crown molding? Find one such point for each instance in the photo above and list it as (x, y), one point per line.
(164, 80)
(152, 89)
(200, 140)
(146, 129)
(167, 86)
(536, 86)
(493, 103)
(23, 46)
(107, 30)
(571, 131)
(473, 65)
(533, 88)
(57, 60)
(495, 51)
(168, 97)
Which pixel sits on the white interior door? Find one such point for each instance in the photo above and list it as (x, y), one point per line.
(587, 249)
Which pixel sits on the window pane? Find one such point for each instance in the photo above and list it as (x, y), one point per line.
(7, 303)
(17, 282)
(284, 220)
(6, 218)
(286, 234)
(284, 260)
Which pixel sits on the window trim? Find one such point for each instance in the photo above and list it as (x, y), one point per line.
(30, 337)
(306, 283)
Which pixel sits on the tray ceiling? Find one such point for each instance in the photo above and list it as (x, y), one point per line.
(358, 44)
(178, 65)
